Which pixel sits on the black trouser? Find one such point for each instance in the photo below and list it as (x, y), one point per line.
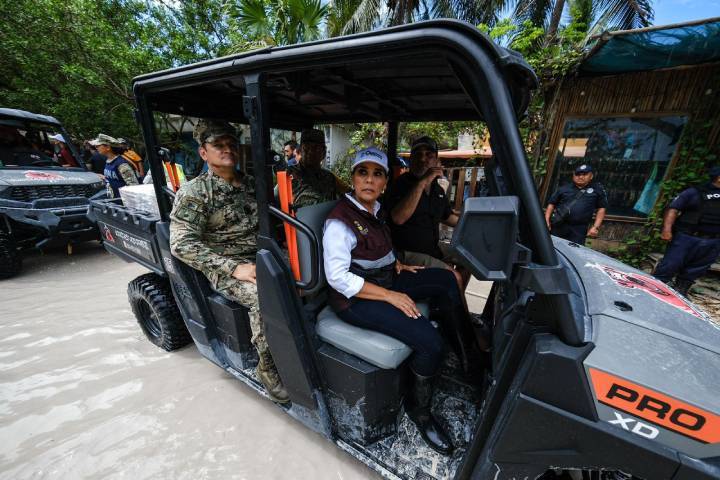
(438, 285)
(574, 232)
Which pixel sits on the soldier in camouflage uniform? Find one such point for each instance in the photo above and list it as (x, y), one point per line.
(213, 228)
(311, 183)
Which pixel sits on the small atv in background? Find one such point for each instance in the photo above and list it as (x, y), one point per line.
(42, 203)
(597, 372)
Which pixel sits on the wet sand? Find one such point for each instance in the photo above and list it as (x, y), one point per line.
(83, 394)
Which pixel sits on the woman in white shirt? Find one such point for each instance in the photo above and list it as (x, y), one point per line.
(371, 289)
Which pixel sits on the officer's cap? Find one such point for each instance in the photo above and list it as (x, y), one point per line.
(372, 155)
(207, 131)
(424, 142)
(714, 171)
(103, 139)
(312, 135)
(584, 168)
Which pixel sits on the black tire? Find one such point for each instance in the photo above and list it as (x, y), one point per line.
(10, 259)
(157, 313)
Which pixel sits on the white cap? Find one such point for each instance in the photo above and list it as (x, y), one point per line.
(371, 154)
(58, 138)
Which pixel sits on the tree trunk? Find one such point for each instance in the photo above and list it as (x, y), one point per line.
(554, 21)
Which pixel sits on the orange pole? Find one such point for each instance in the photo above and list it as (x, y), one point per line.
(292, 241)
(285, 194)
(173, 180)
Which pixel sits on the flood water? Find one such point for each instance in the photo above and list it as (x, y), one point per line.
(83, 394)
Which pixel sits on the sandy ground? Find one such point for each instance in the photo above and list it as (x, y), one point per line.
(84, 395)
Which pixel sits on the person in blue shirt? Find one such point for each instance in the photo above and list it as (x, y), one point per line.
(118, 172)
(692, 226)
(575, 203)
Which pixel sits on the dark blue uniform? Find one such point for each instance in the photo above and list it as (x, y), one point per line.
(696, 237)
(575, 227)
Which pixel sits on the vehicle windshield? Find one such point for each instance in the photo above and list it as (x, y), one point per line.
(31, 144)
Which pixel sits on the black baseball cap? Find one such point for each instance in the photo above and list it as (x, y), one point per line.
(426, 142)
(714, 171)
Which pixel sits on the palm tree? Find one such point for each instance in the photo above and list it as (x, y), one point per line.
(278, 22)
(596, 14)
(363, 15)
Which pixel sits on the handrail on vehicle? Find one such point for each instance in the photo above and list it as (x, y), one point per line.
(314, 256)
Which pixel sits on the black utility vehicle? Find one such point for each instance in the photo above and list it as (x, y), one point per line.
(597, 371)
(42, 203)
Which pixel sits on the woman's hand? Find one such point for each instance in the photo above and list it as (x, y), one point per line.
(403, 303)
(400, 267)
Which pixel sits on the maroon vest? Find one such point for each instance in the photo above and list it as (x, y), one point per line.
(370, 255)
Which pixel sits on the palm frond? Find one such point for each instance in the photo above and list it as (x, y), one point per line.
(535, 11)
(626, 14)
(307, 16)
(364, 17)
(252, 17)
(472, 11)
(339, 13)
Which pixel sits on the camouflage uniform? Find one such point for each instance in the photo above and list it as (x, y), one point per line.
(214, 229)
(312, 186)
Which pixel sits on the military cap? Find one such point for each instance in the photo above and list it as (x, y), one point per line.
(312, 135)
(714, 171)
(103, 139)
(426, 142)
(584, 168)
(210, 130)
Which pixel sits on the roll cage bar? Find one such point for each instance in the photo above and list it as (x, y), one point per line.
(436, 70)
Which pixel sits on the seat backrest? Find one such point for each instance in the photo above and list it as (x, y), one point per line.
(314, 217)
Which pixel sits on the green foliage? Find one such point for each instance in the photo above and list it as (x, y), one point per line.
(276, 22)
(75, 59)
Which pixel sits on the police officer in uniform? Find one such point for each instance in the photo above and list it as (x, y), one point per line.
(311, 183)
(118, 172)
(213, 228)
(574, 205)
(692, 226)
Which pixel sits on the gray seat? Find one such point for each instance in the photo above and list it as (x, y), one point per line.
(373, 347)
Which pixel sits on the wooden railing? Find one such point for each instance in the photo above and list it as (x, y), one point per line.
(458, 178)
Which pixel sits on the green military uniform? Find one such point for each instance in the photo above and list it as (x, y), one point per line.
(312, 185)
(214, 229)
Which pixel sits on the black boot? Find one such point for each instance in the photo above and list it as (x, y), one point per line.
(462, 336)
(419, 412)
(683, 286)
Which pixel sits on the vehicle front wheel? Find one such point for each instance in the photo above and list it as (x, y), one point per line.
(10, 259)
(157, 313)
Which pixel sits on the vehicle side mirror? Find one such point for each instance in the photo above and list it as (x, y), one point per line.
(485, 239)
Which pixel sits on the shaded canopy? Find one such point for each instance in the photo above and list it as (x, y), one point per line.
(654, 48)
(408, 73)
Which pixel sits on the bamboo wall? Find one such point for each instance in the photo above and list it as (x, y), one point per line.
(683, 90)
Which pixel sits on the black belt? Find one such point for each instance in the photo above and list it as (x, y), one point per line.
(704, 235)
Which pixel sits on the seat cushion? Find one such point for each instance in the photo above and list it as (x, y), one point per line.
(373, 347)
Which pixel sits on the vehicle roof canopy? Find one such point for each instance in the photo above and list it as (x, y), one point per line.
(23, 115)
(406, 73)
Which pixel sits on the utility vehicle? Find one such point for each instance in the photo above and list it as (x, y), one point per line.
(597, 370)
(42, 203)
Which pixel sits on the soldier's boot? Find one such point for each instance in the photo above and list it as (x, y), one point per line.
(683, 286)
(268, 375)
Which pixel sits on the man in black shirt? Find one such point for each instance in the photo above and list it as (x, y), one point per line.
(692, 226)
(574, 205)
(417, 205)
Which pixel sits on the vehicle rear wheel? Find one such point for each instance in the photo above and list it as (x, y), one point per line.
(10, 259)
(157, 313)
